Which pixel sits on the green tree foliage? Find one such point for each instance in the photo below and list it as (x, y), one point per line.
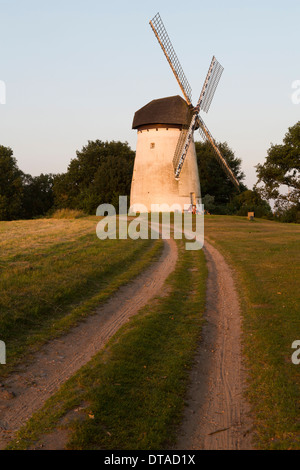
(209, 203)
(11, 186)
(250, 201)
(99, 174)
(213, 179)
(38, 197)
(282, 168)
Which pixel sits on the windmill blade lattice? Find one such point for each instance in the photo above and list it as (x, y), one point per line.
(183, 145)
(166, 45)
(179, 147)
(211, 85)
(206, 136)
(204, 102)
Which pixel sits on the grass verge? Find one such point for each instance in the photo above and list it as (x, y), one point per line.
(53, 273)
(132, 393)
(266, 257)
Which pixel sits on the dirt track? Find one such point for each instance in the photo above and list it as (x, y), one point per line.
(34, 383)
(217, 416)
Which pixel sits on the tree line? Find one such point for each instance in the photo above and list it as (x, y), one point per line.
(102, 171)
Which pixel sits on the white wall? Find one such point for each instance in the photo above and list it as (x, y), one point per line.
(153, 179)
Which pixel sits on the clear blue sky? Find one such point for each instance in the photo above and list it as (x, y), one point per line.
(77, 70)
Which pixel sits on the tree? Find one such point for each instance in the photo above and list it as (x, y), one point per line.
(282, 168)
(11, 186)
(213, 179)
(250, 201)
(100, 172)
(209, 203)
(38, 197)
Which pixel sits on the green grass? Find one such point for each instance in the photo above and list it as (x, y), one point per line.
(266, 257)
(133, 391)
(55, 272)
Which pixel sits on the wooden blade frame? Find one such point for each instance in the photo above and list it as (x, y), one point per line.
(206, 135)
(183, 145)
(166, 45)
(179, 147)
(211, 85)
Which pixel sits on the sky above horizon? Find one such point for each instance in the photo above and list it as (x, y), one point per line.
(77, 70)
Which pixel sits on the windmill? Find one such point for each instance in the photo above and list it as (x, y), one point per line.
(165, 168)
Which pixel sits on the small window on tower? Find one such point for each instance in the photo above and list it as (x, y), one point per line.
(152, 145)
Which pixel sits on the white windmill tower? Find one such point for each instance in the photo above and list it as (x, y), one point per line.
(165, 167)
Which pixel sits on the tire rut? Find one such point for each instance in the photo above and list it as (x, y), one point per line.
(32, 384)
(217, 416)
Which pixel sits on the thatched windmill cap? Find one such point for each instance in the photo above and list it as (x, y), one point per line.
(173, 110)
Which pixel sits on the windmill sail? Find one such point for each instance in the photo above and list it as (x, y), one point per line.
(207, 87)
(204, 102)
(185, 146)
(212, 84)
(179, 147)
(206, 135)
(166, 45)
